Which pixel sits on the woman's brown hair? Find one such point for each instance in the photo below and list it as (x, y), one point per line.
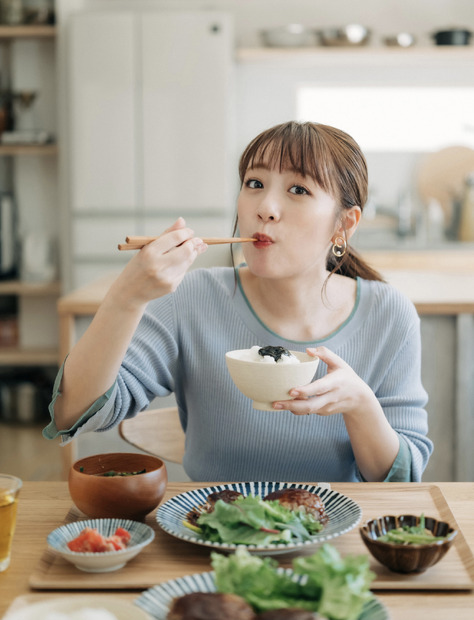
(332, 159)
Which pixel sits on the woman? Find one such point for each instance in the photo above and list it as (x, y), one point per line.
(162, 330)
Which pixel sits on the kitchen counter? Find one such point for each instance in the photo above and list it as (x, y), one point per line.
(436, 281)
(455, 258)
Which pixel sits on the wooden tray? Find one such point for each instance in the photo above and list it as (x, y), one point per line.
(168, 557)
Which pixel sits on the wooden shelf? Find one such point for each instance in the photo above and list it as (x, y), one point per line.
(27, 32)
(28, 357)
(29, 289)
(367, 55)
(18, 355)
(28, 149)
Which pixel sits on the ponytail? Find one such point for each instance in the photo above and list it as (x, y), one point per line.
(352, 265)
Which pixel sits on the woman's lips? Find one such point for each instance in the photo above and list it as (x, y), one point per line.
(263, 241)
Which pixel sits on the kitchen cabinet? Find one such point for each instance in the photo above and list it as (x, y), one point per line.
(102, 121)
(149, 127)
(186, 105)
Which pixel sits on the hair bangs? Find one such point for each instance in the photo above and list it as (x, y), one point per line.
(292, 146)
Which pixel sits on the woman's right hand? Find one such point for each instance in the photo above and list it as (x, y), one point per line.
(94, 361)
(158, 268)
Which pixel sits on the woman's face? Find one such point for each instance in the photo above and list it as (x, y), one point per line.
(293, 219)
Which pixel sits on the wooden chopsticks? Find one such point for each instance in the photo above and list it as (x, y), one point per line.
(138, 242)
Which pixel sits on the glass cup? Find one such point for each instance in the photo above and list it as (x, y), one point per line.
(9, 489)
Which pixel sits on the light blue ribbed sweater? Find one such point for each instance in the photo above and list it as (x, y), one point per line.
(180, 347)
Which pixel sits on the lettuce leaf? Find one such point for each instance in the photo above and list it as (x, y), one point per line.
(256, 580)
(343, 584)
(333, 586)
(250, 520)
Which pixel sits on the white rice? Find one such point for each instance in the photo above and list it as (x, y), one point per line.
(253, 355)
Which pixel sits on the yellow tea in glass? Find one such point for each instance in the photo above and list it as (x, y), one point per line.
(9, 488)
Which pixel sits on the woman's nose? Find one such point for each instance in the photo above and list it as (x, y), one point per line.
(268, 210)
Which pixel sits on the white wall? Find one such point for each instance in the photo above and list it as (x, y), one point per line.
(421, 17)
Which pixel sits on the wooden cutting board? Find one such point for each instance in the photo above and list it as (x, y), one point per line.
(168, 557)
(441, 176)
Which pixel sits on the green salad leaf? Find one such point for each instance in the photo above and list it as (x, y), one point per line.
(342, 584)
(333, 586)
(411, 535)
(253, 521)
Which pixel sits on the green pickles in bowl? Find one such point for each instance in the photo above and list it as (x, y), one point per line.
(407, 543)
(417, 534)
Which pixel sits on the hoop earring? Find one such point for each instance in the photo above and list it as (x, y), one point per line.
(339, 247)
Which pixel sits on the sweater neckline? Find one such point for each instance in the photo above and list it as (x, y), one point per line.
(338, 331)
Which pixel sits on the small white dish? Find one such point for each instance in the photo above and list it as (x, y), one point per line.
(266, 383)
(121, 610)
(104, 562)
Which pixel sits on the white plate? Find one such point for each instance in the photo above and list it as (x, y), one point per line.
(104, 562)
(344, 514)
(122, 610)
(156, 600)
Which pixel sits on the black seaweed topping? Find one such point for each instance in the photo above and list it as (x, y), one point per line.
(275, 352)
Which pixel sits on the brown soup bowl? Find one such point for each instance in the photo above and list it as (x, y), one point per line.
(403, 558)
(129, 496)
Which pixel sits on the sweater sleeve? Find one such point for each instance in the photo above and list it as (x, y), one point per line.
(146, 372)
(401, 468)
(404, 399)
(86, 422)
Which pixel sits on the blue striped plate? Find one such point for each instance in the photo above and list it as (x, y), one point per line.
(344, 514)
(156, 600)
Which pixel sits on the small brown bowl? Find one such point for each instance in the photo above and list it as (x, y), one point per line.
(126, 497)
(406, 558)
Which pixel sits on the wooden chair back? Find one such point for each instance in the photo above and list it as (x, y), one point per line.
(156, 431)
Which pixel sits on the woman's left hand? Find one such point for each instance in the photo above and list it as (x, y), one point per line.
(341, 390)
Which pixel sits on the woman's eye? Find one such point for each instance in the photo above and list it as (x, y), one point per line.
(298, 189)
(254, 184)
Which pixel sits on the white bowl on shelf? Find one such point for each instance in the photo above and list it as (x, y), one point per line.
(402, 39)
(291, 35)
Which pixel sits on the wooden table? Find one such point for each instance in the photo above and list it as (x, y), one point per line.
(44, 505)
